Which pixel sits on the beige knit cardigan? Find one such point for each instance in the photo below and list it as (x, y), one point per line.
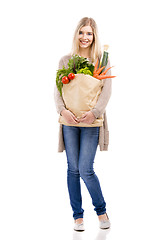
(98, 110)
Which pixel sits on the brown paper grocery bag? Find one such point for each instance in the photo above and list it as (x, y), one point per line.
(80, 95)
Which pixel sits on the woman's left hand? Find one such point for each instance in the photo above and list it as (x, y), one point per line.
(88, 118)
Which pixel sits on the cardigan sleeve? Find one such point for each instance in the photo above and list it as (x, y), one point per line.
(60, 105)
(104, 97)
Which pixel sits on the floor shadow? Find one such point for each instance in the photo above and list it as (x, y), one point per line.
(77, 235)
(102, 235)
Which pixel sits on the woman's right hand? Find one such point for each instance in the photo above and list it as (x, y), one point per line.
(69, 117)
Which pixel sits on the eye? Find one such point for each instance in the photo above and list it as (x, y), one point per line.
(80, 32)
(90, 33)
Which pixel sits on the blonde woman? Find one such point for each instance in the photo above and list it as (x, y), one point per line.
(81, 143)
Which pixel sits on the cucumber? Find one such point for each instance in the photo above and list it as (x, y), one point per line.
(104, 59)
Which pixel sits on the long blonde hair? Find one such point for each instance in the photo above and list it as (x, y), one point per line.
(95, 47)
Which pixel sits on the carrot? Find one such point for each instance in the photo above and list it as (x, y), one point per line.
(103, 73)
(95, 75)
(100, 77)
(99, 70)
(95, 67)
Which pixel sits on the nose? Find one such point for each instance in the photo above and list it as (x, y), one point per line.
(84, 36)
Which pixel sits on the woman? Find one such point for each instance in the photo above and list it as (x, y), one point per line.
(81, 143)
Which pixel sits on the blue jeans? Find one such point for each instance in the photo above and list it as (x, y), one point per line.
(81, 145)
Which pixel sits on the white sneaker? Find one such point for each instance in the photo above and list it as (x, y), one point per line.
(104, 224)
(79, 227)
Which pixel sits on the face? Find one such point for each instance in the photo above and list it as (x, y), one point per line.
(85, 37)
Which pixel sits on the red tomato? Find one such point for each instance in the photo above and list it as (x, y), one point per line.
(71, 76)
(65, 80)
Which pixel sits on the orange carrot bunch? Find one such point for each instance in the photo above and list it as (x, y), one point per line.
(97, 72)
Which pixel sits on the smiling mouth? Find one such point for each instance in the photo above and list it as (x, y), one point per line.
(84, 42)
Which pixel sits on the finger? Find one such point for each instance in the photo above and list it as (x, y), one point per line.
(84, 115)
(74, 118)
(82, 119)
(73, 121)
(72, 115)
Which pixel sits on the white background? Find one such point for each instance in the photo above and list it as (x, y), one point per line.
(34, 202)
